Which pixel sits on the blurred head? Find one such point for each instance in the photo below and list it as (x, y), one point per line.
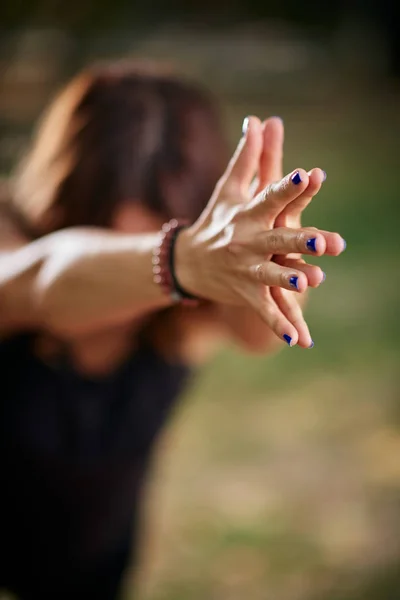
(122, 146)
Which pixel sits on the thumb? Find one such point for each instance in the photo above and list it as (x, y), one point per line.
(244, 164)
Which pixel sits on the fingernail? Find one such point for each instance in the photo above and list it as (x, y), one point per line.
(344, 244)
(276, 117)
(311, 345)
(323, 276)
(245, 126)
(294, 282)
(287, 339)
(312, 244)
(324, 175)
(296, 178)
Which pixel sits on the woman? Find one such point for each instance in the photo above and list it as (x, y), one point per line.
(96, 334)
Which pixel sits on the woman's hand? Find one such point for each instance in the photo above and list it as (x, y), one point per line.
(226, 255)
(271, 170)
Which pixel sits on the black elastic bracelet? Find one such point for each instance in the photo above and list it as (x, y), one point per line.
(179, 290)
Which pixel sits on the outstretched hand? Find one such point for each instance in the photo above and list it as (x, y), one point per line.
(271, 169)
(226, 256)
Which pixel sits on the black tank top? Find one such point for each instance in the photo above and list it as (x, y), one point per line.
(73, 455)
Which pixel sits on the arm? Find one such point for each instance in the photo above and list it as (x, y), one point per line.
(76, 280)
(79, 280)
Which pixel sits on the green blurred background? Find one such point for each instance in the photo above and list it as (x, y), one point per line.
(278, 478)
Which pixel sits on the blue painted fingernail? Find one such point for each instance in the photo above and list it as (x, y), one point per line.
(294, 282)
(245, 126)
(323, 276)
(312, 244)
(296, 178)
(344, 244)
(287, 339)
(311, 345)
(324, 175)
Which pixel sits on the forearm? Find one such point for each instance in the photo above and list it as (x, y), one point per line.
(79, 280)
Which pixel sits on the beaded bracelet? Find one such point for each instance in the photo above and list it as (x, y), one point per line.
(164, 264)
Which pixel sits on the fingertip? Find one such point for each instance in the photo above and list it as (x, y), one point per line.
(299, 178)
(287, 338)
(296, 178)
(249, 123)
(290, 339)
(251, 126)
(319, 175)
(305, 340)
(314, 276)
(337, 244)
(273, 119)
(303, 174)
(315, 181)
(298, 282)
(316, 244)
(303, 284)
(317, 277)
(274, 123)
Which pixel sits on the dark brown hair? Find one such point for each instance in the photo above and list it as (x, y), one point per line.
(120, 132)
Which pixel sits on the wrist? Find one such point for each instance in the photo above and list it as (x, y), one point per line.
(186, 263)
(173, 263)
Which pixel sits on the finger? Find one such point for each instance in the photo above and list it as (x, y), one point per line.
(270, 168)
(285, 241)
(335, 244)
(287, 303)
(245, 162)
(269, 203)
(290, 215)
(265, 306)
(315, 275)
(271, 274)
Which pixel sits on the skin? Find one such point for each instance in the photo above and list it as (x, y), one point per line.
(77, 284)
(250, 230)
(271, 170)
